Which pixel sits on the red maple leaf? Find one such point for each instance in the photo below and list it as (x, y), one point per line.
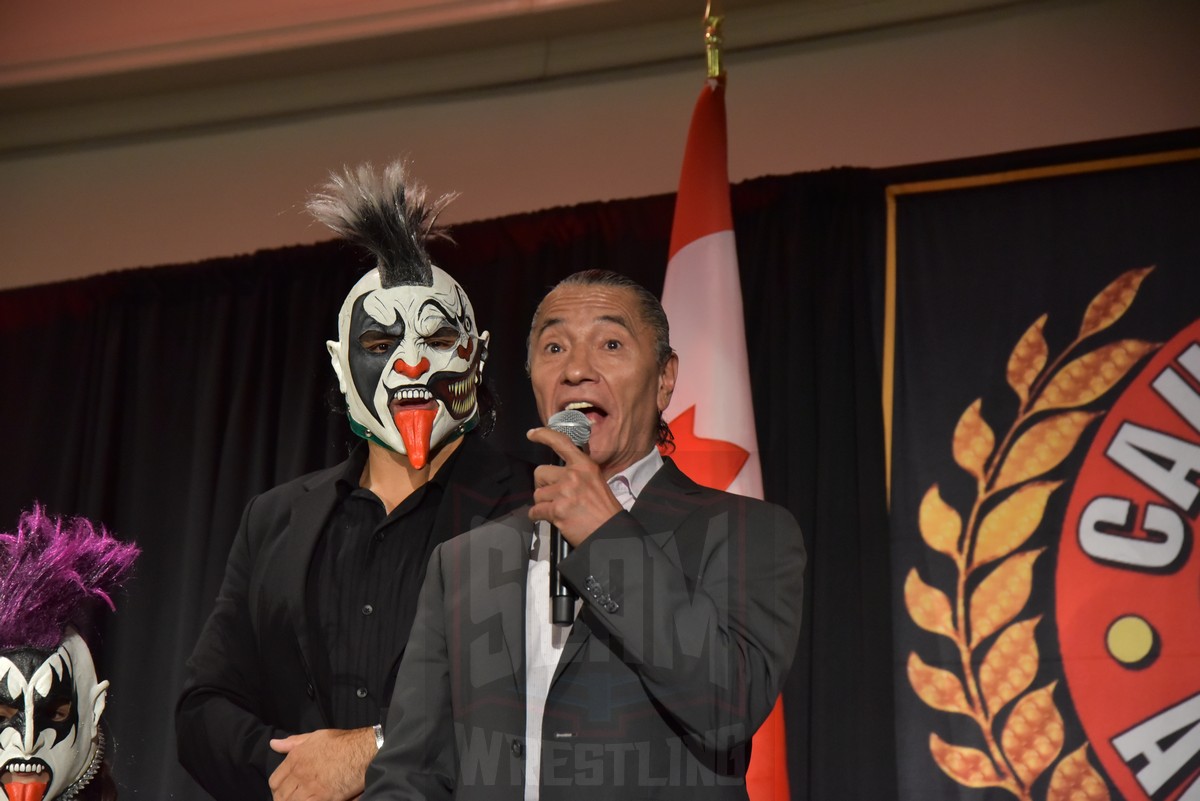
(711, 462)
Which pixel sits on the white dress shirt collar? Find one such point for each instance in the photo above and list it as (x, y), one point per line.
(633, 479)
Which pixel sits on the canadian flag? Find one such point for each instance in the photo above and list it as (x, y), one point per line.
(715, 440)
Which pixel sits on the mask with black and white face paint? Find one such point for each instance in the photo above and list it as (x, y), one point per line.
(50, 708)
(408, 359)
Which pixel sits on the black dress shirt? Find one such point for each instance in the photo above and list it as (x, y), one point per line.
(363, 584)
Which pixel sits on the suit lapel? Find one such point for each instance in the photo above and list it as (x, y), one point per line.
(515, 542)
(664, 503)
(308, 517)
(580, 632)
(481, 483)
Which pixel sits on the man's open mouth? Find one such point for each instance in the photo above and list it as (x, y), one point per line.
(25, 779)
(456, 390)
(592, 411)
(411, 398)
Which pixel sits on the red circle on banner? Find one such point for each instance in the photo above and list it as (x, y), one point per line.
(1127, 585)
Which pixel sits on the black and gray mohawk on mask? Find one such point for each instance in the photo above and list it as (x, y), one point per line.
(386, 215)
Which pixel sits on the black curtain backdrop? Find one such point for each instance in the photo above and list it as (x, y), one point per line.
(158, 401)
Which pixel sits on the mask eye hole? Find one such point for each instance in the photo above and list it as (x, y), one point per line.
(61, 712)
(444, 338)
(377, 341)
(7, 713)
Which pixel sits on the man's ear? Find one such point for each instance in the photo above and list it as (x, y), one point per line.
(483, 353)
(666, 381)
(98, 699)
(335, 355)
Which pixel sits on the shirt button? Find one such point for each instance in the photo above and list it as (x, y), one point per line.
(367, 609)
(361, 692)
(379, 536)
(517, 749)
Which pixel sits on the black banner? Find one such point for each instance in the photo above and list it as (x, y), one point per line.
(1045, 450)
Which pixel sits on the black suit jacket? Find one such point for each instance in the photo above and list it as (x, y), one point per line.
(255, 672)
(691, 615)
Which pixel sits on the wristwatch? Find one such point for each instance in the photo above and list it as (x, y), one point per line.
(378, 736)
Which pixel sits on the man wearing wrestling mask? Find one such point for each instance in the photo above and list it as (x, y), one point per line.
(292, 674)
(52, 572)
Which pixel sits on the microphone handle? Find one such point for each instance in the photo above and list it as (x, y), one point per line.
(562, 598)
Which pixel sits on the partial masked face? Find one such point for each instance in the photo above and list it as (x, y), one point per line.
(408, 360)
(50, 707)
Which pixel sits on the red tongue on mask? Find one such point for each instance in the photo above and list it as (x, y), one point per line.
(415, 426)
(25, 791)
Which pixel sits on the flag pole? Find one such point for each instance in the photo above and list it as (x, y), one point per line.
(713, 42)
(702, 296)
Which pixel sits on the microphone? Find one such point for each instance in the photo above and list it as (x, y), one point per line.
(578, 428)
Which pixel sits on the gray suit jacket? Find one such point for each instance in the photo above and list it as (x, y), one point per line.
(690, 621)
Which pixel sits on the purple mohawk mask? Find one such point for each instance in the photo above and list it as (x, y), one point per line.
(49, 569)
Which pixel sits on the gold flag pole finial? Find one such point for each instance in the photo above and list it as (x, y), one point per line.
(712, 41)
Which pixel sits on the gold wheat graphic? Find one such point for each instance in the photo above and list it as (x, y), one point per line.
(1009, 503)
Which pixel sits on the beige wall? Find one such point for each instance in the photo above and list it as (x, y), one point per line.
(1029, 75)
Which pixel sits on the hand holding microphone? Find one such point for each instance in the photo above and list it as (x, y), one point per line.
(572, 496)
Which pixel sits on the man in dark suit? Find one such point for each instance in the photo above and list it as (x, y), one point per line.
(689, 608)
(288, 682)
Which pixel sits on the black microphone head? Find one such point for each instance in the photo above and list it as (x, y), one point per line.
(572, 422)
